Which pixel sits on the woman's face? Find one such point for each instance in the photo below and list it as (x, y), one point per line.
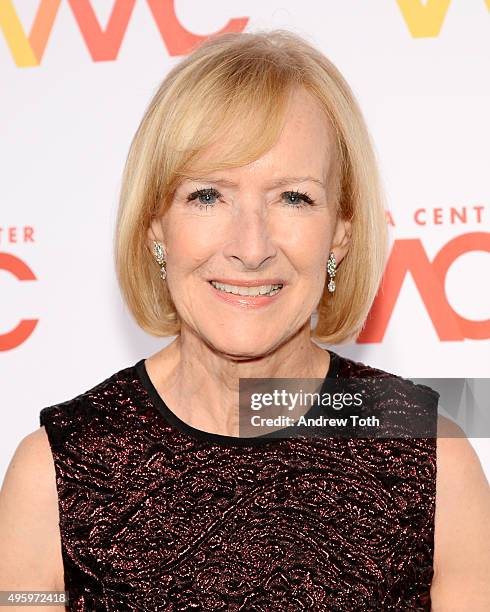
(249, 224)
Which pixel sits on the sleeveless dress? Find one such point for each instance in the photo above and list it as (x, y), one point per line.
(158, 515)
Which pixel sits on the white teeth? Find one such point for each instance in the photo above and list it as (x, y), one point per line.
(254, 291)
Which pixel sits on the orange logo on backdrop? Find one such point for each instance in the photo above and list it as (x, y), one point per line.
(25, 327)
(407, 255)
(103, 45)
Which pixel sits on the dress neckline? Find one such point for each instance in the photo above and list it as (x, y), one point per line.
(211, 437)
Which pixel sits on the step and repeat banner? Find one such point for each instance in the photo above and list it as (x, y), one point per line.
(76, 76)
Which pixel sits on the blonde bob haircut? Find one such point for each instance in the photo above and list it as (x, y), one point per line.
(234, 89)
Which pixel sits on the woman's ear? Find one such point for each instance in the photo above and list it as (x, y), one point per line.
(155, 232)
(341, 239)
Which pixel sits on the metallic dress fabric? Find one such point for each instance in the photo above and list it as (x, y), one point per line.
(158, 515)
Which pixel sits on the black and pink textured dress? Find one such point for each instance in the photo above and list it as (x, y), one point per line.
(158, 515)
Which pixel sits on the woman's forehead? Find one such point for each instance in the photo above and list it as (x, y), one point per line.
(277, 167)
(302, 145)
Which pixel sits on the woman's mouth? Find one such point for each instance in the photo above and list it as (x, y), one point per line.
(246, 297)
(247, 291)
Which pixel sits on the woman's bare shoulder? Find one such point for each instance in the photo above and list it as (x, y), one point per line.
(462, 524)
(29, 518)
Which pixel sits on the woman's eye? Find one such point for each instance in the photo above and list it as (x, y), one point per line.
(297, 199)
(204, 197)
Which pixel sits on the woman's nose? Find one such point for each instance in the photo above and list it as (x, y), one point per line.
(250, 237)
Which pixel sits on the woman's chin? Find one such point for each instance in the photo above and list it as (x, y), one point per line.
(243, 346)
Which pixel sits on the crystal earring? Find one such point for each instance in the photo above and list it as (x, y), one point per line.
(331, 269)
(160, 257)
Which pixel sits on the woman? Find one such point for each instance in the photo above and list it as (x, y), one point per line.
(252, 168)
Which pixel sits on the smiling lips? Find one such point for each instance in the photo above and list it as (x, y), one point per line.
(266, 289)
(249, 282)
(248, 294)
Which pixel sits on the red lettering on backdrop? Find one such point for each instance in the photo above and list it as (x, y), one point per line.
(475, 241)
(178, 40)
(28, 232)
(42, 26)
(451, 215)
(460, 215)
(389, 218)
(416, 216)
(103, 45)
(24, 329)
(409, 256)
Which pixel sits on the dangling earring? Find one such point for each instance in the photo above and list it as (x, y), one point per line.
(160, 257)
(331, 269)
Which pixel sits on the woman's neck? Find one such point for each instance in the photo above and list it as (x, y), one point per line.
(200, 384)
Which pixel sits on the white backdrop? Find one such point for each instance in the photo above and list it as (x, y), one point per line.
(72, 97)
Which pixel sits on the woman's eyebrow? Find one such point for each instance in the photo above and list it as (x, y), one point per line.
(274, 183)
